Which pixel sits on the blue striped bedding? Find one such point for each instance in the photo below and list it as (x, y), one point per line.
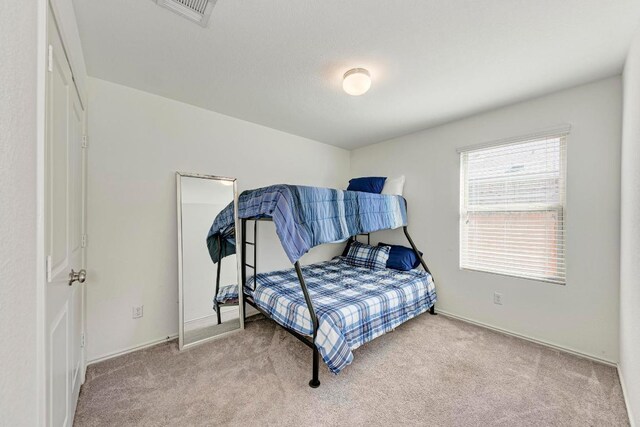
(305, 217)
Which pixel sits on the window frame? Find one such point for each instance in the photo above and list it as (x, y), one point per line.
(562, 132)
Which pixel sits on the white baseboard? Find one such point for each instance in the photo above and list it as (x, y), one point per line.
(131, 349)
(624, 394)
(201, 322)
(226, 314)
(527, 338)
(205, 320)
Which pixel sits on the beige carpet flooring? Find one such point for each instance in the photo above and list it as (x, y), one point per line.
(432, 370)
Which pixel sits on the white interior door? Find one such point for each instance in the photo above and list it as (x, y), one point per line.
(64, 210)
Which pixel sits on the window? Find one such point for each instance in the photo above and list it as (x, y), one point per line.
(512, 208)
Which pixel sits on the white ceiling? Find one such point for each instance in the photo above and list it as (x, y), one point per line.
(279, 62)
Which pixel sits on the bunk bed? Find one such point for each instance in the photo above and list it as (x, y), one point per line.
(227, 295)
(333, 307)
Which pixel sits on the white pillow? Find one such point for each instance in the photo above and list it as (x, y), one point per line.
(393, 186)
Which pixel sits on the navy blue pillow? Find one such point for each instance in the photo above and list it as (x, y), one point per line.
(370, 184)
(401, 258)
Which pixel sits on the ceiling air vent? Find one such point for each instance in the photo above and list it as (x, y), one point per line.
(194, 10)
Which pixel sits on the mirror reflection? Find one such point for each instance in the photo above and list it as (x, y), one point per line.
(208, 280)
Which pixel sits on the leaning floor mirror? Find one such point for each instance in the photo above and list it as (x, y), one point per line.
(209, 303)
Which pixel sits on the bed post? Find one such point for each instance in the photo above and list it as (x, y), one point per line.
(315, 382)
(255, 252)
(432, 310)
(243, 260)
(218, 281)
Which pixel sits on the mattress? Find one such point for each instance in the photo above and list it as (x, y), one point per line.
(353, 305)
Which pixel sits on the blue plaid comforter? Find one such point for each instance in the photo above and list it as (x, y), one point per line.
(353, 304)
(308, 216)
(226, 294)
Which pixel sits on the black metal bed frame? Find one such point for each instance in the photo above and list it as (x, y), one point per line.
(308, 341)
(221, 304)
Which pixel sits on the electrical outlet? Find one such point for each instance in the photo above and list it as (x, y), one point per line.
(138, 311)
(497, 298)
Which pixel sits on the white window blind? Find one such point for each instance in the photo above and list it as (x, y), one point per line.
(512, 213)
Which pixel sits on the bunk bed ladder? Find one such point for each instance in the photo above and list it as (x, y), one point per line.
(245, 264)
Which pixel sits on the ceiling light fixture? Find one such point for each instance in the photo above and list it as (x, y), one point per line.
(356, 81)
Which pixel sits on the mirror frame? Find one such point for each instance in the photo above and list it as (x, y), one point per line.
(179, 176)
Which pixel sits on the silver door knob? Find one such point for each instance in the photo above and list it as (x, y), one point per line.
(79, 276)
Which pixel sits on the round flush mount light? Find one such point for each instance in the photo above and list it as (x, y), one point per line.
(356, 81)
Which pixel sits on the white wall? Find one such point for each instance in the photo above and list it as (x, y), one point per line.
(630, 232)
(18, 77)
(581, 316)
(137, 142)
